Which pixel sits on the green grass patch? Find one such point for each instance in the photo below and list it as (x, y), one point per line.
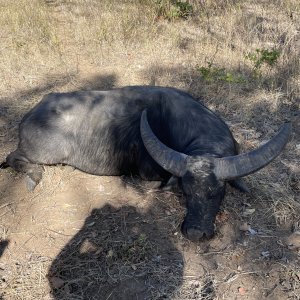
(212, 73)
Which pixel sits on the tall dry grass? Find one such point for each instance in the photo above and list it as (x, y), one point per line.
(45, 38)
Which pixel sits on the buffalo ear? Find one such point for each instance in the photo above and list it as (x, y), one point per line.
(240, 185)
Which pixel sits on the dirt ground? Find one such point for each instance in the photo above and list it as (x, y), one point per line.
(79, 236)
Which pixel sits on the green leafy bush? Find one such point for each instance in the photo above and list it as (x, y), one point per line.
(263, 56)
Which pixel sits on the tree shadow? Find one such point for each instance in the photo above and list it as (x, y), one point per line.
(98, 82)
(119, 253)
(225, 96)
(59, 81)
(13, 108)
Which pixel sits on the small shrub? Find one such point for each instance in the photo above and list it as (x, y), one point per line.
(261, 57)
(215, 74)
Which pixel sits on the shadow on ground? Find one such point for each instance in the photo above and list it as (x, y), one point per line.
(119, 253)
(13, 108)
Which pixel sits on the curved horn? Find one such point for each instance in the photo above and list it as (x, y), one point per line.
(231, 167)
(171, 160)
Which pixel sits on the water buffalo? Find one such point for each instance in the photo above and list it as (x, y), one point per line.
(157, 133)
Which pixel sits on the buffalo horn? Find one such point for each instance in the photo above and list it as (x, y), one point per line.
(171, 160)
(232, 167)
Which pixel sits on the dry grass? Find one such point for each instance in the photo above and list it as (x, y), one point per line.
(60, 45)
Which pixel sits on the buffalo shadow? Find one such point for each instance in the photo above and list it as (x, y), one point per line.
(14, 107)
(119, 253)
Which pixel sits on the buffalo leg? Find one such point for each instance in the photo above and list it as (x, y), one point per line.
(20, 163)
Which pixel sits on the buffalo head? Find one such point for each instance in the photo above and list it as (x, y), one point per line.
(203, 178)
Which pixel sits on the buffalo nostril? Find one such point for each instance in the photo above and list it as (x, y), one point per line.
(194, 234)
(208, 234)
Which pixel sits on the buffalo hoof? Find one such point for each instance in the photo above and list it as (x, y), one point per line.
(195, 233)
(30, 183)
